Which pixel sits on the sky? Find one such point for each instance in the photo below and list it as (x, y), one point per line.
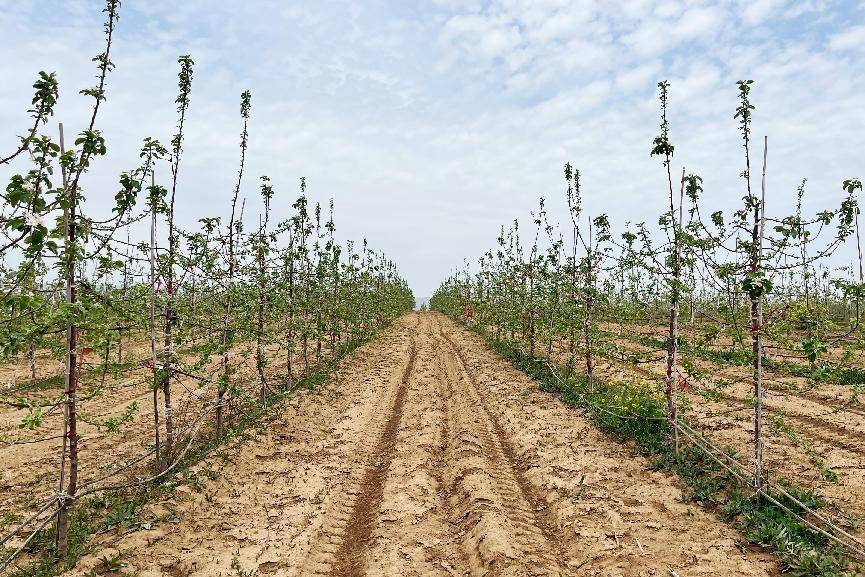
(431, 123)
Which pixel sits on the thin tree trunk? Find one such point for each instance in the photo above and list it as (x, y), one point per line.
(587, 319)
(192, 312)
(262, 303)
(154, 359)
(31, 353)
(70, 438)
(226, 323)
(572, 340)
(673, 335)
(757, 327)
(861, 276)
(166, 370)
(227, 331)
(290, 354)
(124, 295)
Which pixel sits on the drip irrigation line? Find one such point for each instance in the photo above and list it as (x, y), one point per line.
(31, 441)
(18, 551)
(28, 520)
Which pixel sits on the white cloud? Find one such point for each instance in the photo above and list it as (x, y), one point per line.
(852, 38)
(430, 124)
(639, 78)
(758, 11)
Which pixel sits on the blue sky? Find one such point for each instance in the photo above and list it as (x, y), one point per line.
(431, 123)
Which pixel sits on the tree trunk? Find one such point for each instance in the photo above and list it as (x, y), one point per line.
(154, 358)
(587, 318)
(757, 327)
(70, 438)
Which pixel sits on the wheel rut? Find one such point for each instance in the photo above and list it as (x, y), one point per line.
(483, 457)
(415, 530)
(351, 554)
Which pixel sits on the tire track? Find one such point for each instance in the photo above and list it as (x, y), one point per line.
(414, 530)
(346, 485)
(441, 462)
(483, 450)
(350, 559)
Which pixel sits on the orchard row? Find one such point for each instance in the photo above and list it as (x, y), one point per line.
(185, 308)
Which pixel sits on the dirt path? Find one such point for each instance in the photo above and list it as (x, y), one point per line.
(427, 455)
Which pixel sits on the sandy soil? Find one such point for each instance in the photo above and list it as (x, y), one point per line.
(425, 455)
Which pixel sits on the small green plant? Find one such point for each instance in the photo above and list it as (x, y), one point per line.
(814, 348)
(113, 424)
(34, 417)
(580, 493)
(238, 568)
(112, 565)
